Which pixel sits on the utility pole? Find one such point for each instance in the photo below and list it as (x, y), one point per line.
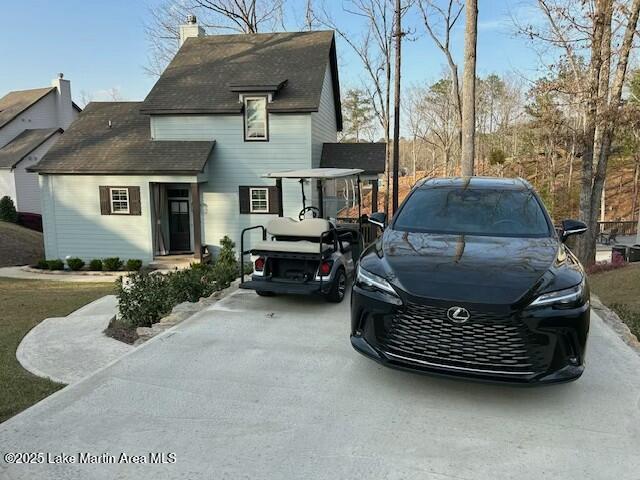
(469, 88)
(396, 107)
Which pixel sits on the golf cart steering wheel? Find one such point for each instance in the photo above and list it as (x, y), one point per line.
(310, 208)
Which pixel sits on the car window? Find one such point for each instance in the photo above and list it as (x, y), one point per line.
(495, 212)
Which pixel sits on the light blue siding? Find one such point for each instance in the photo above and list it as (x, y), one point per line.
(235, 162)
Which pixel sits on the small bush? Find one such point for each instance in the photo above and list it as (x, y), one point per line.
(143, 298)
(8, 211)
(75, 263)
(617, 261)
(112, 264)
(191, 284)
(225, 267)
(134, 265)
(55, 264)
(95, 265)
(42, 264)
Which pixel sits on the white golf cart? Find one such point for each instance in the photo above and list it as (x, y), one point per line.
(311, 254)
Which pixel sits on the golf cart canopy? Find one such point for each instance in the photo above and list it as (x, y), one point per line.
(326, 173)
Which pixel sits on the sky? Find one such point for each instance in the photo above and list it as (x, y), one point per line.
(101, 45)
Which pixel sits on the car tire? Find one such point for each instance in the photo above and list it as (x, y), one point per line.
(262, 293)
(339, 287)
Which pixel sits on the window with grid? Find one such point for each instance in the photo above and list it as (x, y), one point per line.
(259, 198)
(255, 118)
(119, 200)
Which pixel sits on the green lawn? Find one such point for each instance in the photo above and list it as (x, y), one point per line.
(620, 290)
(24, 304)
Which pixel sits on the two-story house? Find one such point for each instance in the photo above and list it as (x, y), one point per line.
(31, 121)
(184, 167)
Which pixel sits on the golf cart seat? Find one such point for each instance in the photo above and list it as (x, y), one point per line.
(294, 236)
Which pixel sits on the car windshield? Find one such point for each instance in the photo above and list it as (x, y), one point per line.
(491, 212)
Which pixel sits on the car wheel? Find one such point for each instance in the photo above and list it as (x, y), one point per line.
(339, 287)
(262, 293)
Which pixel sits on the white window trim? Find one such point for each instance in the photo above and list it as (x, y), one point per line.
(119, 212)
(245, 99)
(266, 195)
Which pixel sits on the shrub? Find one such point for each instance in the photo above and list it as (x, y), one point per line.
(95, 265)
(143, 298)
(42, 264)
(8, 211)
(617, 261)
(225, 267)
(112, 264)
(192, 283)
(134, 265)
(75, 263)
(55, 264)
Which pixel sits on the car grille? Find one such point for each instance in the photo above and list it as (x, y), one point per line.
(487, 342)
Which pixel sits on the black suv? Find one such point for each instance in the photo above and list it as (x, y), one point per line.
(471, 279)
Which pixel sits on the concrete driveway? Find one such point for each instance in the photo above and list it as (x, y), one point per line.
(269, 388)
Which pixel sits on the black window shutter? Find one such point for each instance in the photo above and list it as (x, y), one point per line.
(105, 201)
(274, 200)
(245, 206)
(134, 201)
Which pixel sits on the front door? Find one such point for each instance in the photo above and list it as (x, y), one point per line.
(179, 236)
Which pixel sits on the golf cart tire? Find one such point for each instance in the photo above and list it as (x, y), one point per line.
(333, 295)
(263, 293)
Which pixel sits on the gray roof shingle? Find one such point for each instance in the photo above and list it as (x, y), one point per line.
(90, 146)
(207, 73)
(14, 103)
(25, 143)
(369, 157)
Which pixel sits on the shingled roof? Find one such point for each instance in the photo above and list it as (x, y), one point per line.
(207, 73)
(14, 103)
(92, 146)
(25, 143)
(369, 157)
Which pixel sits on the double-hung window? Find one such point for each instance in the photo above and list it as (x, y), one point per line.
(255, 119)
(259, 198)
(119, 200)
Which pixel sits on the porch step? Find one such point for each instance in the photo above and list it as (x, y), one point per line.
(172, 262)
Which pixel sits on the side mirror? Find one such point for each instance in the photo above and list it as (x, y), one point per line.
(379, 219)
(572, 227)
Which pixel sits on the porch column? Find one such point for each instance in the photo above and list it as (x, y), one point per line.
(374, 195)
(197, 224)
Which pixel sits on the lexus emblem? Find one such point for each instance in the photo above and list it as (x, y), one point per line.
(458, 314)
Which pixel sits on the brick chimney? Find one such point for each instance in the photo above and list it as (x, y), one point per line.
(190, 29)
(64, 104)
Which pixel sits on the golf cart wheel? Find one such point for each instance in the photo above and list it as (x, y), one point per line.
(339, 287)
(262, 293)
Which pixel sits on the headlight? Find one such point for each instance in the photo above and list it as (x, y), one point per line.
(560, 297)
(365, 277)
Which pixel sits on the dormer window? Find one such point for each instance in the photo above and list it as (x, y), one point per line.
(256, 126)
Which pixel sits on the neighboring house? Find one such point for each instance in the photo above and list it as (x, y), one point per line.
(31, 121)
(184, 168)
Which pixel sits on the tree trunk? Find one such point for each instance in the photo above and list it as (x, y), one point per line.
(585, 246)
(396, 107)
(469, 88)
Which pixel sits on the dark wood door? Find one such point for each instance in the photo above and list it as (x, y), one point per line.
(179, 236)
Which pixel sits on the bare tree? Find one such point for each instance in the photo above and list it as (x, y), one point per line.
(469, 88)
(433, 15)
(373, 47)
(239, 16)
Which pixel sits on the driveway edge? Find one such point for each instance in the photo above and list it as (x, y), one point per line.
(613, 321)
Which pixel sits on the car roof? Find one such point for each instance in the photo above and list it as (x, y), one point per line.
(475, 182)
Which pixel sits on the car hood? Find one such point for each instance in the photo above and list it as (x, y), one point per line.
(464, 268)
